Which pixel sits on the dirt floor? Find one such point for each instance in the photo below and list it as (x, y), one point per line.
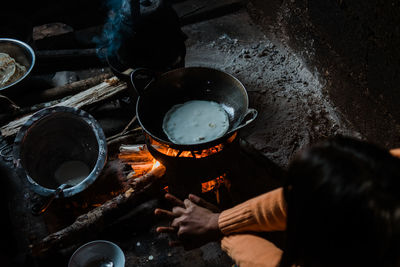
(293, 110)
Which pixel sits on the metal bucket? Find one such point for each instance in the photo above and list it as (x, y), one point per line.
(50, 138)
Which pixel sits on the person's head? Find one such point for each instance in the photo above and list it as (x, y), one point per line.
(343, 199)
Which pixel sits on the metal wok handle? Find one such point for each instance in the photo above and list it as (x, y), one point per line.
(141, 78)
(252, 114)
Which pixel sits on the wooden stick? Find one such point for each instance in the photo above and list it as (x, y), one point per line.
(128, 158)
(7, 105)
(148, 177)
(123, 131)
(72, 88)
(98, 217)
(90, 96)
(133, 149)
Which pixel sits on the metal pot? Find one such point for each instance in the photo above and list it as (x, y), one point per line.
(193, 83)
(24, 55)
(53, 136)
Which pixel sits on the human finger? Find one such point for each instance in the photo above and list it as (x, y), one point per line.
(201, 202)
(162, 212)
(177, 211)
(174, 200)
(166, 229)
(176, 223)
(187, 203)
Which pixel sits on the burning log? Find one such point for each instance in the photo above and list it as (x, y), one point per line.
(100, 216)
(148, 178)
(139, 158)
(95, 94)
(131, 136)
(134, 154)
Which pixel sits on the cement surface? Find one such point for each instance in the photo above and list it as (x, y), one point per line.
(293, 110)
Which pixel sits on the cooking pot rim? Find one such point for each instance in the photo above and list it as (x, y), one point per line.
(93, 175)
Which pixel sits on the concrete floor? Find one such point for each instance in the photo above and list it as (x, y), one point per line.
(293, 110)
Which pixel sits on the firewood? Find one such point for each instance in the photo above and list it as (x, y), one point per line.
(99, 216)
(130, 149)
(142, 166)
(131, 136)
(124, 131)
(95, 94)
(71, 88)
(7, 105)
(128, 158)
(148, 177)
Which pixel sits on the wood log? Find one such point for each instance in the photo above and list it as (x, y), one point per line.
(147, 178)
(98, 217)
(71, 88)
(133, 149)
(49, 60)
(7, 105)
(129, 158)
(141, 167)
(130, 137)
(101, 92)
(125, 130)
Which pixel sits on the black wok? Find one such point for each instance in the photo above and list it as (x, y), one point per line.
(185, 84)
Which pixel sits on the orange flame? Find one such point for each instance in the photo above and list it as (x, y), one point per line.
(213, 184)
(167, 150)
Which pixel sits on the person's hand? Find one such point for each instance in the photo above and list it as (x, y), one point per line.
(194, 220)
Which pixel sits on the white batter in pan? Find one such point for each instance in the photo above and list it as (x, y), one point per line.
(195, 122)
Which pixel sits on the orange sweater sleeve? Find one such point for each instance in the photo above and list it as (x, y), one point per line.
(251, 251)
(263, 213)
(395, 152)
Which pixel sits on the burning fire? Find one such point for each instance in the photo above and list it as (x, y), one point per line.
(139, 158)
(142, 162)
(156, 164)
(167, 150)
(213, 184)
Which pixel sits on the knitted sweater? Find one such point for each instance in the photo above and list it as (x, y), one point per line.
(264, 213)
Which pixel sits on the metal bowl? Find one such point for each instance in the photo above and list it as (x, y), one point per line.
(98, 253)
(22, 53)
(54, 136)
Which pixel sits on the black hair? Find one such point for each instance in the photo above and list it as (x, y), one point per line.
(343, 200)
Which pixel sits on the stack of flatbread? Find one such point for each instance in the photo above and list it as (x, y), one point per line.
(10, 70)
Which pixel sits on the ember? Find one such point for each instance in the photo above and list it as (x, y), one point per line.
(215, 184)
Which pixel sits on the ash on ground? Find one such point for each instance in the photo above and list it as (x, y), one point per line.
(293, 109)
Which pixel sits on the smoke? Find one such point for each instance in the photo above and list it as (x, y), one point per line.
(118, 19)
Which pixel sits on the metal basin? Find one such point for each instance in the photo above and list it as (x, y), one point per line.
(23, 54)
(54, 136)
